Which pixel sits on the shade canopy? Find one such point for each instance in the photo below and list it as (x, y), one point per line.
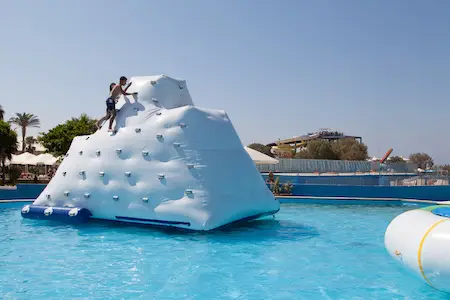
(44, 159)
(260, 158)
(22, 159)
(31, 159)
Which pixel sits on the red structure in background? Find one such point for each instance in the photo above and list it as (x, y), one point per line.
(386, 156)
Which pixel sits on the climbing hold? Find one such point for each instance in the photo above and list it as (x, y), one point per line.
(144, 153)
(97, 152)
(137, 130)
(188, 192)
(118, 151)
(87, 137)
(145, 199)
(155, 100)
(67, 154)
(64, 173)
(159, 136)
(81, 152)
(26, 209)
(48, 211)
(128, 174)
(190, 166)
(158, 113)
(116, 198)
(87, 195)
(161, 176)
(101, 174)
(153, 82)
(176, 145)
(73, 212)
(183, 125)
(81, 172)
(66, 193)
(47, 196)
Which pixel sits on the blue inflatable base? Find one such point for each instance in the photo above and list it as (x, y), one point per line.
(64, 214)
(442, 211)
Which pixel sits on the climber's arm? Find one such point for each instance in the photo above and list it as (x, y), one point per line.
(124, 91)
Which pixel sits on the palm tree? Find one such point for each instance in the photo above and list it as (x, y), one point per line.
(30, 141)
(2, 113)
(8, 145)
(24, 121)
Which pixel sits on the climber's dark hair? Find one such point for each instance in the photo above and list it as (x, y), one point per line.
(111, 86)
(123, 78)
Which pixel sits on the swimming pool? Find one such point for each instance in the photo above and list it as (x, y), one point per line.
(306, 252)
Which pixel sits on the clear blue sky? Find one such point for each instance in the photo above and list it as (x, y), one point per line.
(379, 69)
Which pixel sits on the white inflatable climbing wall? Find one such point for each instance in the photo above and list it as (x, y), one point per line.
(169, 163)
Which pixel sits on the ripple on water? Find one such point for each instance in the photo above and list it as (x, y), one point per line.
(306, 252)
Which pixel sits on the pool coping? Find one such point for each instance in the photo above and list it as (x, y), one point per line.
(16, 201)
(365, 199)
(312, 198)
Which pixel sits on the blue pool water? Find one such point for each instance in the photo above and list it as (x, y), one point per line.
(306, 252)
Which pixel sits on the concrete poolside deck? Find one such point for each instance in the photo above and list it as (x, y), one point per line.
(331, 174)
(320, 200)
(16, 201)
(356, 200)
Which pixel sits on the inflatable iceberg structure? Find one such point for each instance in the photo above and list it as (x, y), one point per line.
(167, 163)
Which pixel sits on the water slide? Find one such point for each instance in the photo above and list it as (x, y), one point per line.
(386, 156)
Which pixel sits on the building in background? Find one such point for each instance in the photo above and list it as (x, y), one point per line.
(36, 148)
(285, 148)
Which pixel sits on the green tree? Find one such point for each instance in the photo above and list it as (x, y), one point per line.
(344, 149)
(2, 113)
(318, 149)
(445, 168)
(14, 174)
(58, 139)
(24, 121)
(350, 149)
(261, 148)
(8, 146)
(30, 141)
(396, 160)
(303, 154)
(422, 160)
(322, 150)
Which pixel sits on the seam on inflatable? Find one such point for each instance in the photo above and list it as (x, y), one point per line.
(422, 242)
(153, 221)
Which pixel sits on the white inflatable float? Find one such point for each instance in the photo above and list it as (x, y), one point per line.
(420, 240)
(169, 163)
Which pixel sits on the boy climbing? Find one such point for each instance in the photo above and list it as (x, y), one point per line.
(115, 90)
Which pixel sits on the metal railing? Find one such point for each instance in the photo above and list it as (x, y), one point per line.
(364, 180)
(349, 179)
(287, 165)
(422, 180)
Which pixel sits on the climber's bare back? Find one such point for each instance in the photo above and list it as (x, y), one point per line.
(116, 91)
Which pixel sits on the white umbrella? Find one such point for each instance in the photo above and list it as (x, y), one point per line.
(260, 158)
(44, 159)
(23, 159)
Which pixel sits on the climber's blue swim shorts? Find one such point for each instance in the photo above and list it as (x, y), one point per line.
(110, 105)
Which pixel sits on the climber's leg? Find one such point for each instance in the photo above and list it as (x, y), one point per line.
(111, 120)
(100, 122)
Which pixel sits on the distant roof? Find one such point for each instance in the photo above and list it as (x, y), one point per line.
(303, 138)
(38, 146)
